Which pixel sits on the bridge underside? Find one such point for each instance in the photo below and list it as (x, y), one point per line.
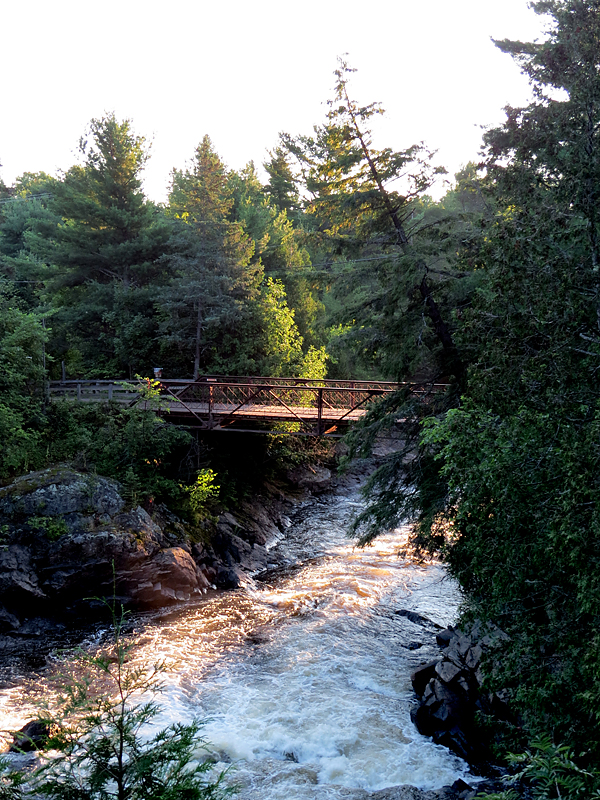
(304, 421)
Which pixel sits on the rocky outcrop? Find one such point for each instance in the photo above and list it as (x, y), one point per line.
(451, 692)
(66, 537)
(458, 791)
(313, 478)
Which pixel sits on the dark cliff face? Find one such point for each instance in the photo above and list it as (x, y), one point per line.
(68, 538)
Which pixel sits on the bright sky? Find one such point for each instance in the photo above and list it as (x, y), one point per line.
(244, 70)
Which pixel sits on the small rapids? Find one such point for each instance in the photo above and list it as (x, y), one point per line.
(303, 675)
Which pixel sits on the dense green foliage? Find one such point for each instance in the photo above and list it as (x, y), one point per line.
(22, 377)
(97, 747)
(98, 282)
(341, 264)
(518, 521)
(545, 771)
(374, 226)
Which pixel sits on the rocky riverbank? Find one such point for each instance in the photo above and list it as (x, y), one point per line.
(63, 530)
(452, 696)
(68, 538)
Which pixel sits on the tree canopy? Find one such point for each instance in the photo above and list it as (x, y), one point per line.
(518, 522)
(338, 261)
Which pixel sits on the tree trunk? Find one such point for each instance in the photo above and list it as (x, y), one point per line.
(198, 337)
(442, 331)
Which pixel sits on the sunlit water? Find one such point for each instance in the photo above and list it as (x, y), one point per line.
(304, 680)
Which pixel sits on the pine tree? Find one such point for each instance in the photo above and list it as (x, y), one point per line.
(214, 273)
(519, 523)
(108, 243)
(109, 232)
(97, 747)
(359, 218)
(280, 246)
(282, 188)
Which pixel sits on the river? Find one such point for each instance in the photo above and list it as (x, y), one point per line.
(303, 676)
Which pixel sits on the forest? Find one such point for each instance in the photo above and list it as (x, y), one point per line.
(340, 264)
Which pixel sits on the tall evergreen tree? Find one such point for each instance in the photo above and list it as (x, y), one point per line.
(367, 205)
(214, 272)
(282, 188)
(280, 246)
(392, 265)
(519, 523)
(21, 215)
(108, 231)
(106, 250)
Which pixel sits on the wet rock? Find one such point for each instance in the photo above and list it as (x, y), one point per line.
(30, 737)
(447, 671)
(450, 693)
(171, 575)
(229, 520)
(257, 521)
(473, 656)
(444, 637)
(250, 557)
(315, 479)
(69, 537)
(8, 622)
(19, 585)
(226, 578)
(421, 677)
(37, 628)
(417, 619)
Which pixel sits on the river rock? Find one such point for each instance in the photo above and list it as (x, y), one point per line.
(19, 584)
(417, 619)
(313, 478)
(69, 536)
(450, 692)
(60, 492)
(30, 737)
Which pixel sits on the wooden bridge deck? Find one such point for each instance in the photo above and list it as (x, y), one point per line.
(321, 408)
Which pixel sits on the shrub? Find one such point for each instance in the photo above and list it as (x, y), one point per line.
(97, 749)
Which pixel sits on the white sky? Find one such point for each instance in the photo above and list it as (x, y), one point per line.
(243, 70)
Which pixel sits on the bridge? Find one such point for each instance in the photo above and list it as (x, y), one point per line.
(251, 404)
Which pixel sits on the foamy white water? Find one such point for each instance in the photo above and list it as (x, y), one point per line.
(304, 682)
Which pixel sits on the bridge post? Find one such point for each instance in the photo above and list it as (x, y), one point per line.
(319, 411)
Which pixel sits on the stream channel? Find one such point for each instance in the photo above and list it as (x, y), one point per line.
(303, 676)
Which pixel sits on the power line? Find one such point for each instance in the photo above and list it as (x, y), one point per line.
(27, 197)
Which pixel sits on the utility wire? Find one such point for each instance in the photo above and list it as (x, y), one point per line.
(27, 197)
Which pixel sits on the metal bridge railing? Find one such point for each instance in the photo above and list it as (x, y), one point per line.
(219, 401)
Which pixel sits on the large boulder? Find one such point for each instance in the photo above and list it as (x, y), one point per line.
(60, 492)
(312, 478)
(451, 692)
(68, 537)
